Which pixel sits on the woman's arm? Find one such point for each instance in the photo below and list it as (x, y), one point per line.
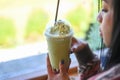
(89, 64)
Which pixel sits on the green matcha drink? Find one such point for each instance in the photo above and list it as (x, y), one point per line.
(58, 38)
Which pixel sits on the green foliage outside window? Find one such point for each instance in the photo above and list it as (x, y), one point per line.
(93, 37)
(85, 25)
(36, 23)
(7, 32)
(80, 19)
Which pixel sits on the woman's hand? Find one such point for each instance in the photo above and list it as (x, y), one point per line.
(61, 75)
(77, 45)
(82, 51)
(88, 63)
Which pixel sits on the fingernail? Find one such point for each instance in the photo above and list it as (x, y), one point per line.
(56, 71)
(62, 61)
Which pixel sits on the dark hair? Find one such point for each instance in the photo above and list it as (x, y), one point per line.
(114, 52)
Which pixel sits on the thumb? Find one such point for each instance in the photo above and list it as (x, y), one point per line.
(49, 67)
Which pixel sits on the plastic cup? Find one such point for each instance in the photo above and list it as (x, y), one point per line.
(59, 49)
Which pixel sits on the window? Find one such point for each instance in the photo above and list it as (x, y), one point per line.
(22, 24)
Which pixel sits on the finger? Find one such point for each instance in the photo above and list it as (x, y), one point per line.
(74, 40)
(69, 64)
(75, 44)
(74, 48)
(78, 47)
(63, 69)
(49, 67)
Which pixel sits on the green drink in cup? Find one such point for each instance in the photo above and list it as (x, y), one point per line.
(58, 38)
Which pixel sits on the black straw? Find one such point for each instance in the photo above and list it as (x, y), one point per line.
(57, 10)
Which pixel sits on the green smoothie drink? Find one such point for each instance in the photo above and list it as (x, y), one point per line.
(58, 38)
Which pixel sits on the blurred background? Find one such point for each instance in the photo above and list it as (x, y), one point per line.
(22, 24)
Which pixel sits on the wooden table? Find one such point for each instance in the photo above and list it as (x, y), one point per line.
(73, 72)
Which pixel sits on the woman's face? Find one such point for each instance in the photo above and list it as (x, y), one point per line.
(105, 18)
